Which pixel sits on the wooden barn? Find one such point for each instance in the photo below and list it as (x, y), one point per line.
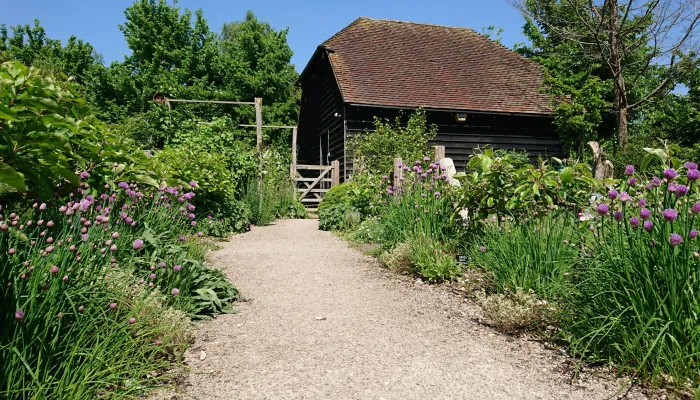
(475, 90)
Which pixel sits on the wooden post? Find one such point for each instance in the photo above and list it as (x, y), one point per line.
(439, 153)
(293, 167)
(398, 171)
(258, 132)
(335, 173)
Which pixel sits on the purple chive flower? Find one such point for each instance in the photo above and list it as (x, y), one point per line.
(670, 173)
(152, 276)
(681, 190)
(648, 226)
(193, 184)
(603, 209)
(693, 234)
(690, 165)
(175, 291)
(177, 268)
(695, 209)
(19, 314)
(642, 202)
(200, 234)
(670, 214)
(84, 174)
(437, 194)
(65, 278)
(675, 239)
(84, 237)
(138, 243)
(426, 158)
(193, 223)
(482, 249)
(693, 174)
(113, 306)
(629, 170)
(132, 321)
(617, 215)
(672, 187)
(388, 191)
(113, 248)
(624, 197)
(612, 194)
(81, 309)
(53, 269)
(634, 221)
(655, 181)
(645, 213)
(11, 251)
(631, 181)
(181, 238)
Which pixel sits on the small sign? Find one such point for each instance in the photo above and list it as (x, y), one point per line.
(464, 260)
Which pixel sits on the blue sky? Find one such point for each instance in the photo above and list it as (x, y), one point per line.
(309, 22)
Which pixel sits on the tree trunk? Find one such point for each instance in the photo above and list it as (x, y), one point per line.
(622, 134)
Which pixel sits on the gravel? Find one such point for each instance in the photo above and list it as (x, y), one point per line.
(324, 321)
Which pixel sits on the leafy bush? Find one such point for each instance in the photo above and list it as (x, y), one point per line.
(431, 261)
(638, 303)
(375, 151)
(504, 186)
(332, 209)
(48, 133)
(288, 204)
(535, 255)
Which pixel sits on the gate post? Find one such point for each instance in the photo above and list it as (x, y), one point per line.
(335, 173)
(398, 172)
(439, 153)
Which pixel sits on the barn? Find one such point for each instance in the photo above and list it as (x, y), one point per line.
(476, 91)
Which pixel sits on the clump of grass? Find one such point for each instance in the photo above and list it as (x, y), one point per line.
(536, 255)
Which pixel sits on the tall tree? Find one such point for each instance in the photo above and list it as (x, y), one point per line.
(629, 41)
(33, 47)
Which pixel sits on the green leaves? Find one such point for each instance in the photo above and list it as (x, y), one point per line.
(12, 178)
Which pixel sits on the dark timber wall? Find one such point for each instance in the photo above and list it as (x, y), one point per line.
(318, 123)
(535, 134)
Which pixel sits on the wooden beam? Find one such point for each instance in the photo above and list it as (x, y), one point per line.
(311, 179)
(314, 167)
(269, 126)
(293, 167)
(258, 132)
(439, 153)
(335, 173)
(398, 171)
(167, 100)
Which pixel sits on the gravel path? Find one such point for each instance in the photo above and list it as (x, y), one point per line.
(325, 322)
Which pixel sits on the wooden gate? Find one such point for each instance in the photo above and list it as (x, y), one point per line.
(313, 181)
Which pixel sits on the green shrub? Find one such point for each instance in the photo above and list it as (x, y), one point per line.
(378, 148)
(535, 254)
(334, 206)
(288, 204)
(504, 186)
(431, 261)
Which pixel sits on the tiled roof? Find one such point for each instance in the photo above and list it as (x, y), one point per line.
(405, 64)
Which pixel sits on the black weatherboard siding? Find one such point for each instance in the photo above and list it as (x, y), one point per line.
(533, 133)
(321, 115)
